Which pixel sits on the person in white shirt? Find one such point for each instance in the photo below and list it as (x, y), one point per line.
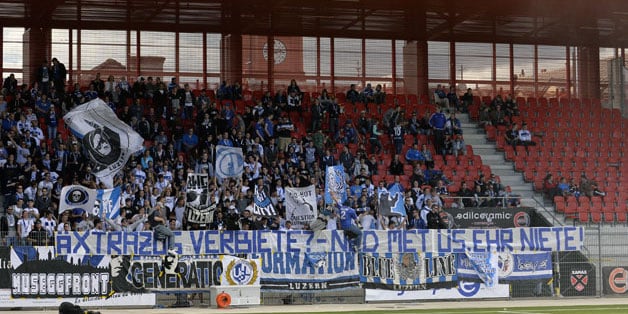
(24, 227)
(49, 223)
(525, 136)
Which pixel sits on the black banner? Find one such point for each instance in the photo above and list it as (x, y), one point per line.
(490, 217)
(37, 273)
(5, 267)
(615, 279)
(577, 279)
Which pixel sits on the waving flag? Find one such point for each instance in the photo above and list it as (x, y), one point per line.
(335, 183)
(108, 141)
(262, 205)
(392, 202)
(100, 203)
(229, 162)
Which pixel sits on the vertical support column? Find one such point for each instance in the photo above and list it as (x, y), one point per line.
(231, 56)
(70, 67)
(568, 72)
(536, 71)
(128, 52)
(204, 59)
(332, 72)
(394, 66)
(79, 70)
(452, 63)
(138, 54)
(494, 70)
(270, 61)
(1, 52)
(588, 72)
(318, 63)
(422, 69)
(34, 52)
(176, 55)
(363, 61)
(511, 65)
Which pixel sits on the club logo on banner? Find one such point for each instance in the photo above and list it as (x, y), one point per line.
(229, 162)
(239, 271)
(108, 141)
(262, 205)
(513, 266)
(335, 183)
(392, 202)
(301, 206)
(198, 206)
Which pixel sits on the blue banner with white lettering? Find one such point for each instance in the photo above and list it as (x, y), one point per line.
(308, 270)
(199, 242)
(512, 266)
(335, 183)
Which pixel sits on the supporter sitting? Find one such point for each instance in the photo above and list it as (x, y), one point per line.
(414, 155)
(379, 96)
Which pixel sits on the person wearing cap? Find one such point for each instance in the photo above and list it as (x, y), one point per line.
(38, 236)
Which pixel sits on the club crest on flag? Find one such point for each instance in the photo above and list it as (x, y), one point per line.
(229, 162)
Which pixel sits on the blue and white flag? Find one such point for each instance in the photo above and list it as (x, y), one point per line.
(107, 203)
(335, 183)
(262, 205)
(484, 264)
(229, 162)
(392, 202)
(513, 266)
(107, 141)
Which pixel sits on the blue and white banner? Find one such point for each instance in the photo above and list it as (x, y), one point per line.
(392, 202)
(512, 266)
(201, 242)
(262, 205)
(335, 182)
(308, 270)
(107, 141)
(464, 290)
(229, 162)
(107, 203)
(301, 206)
(485, 265)
(77, 196)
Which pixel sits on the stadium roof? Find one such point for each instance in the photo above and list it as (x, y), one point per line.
(558, 22)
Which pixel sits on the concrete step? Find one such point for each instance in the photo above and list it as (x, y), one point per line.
(502, 168)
